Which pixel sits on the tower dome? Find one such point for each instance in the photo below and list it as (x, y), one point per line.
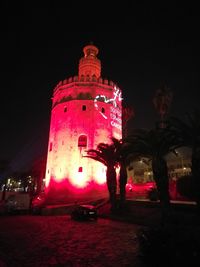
(90, 65)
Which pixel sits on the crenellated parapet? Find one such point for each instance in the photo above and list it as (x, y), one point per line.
(73, 88)
(84, 79)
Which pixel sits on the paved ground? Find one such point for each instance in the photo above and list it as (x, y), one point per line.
(40, 241)
(56, 240)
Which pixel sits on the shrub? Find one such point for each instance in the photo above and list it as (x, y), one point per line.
(185, 187)
(153, 194)
(169, 247)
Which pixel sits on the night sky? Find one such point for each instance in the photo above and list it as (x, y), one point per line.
(141, 47)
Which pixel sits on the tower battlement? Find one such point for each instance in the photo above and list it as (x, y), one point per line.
(74, 88)
(84, 79)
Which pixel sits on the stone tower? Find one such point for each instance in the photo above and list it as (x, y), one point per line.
(86, 111)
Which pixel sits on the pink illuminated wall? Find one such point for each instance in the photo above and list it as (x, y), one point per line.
(86, 110)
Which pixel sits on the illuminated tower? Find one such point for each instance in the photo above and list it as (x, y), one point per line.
(86, 111)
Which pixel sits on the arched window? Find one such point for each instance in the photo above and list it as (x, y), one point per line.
(80, 169)
(103, 110)
(82, 141)
(50, 146)
(84, 107)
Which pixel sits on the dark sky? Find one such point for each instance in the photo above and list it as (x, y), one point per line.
(141, 46)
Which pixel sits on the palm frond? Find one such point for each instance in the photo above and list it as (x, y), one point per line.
(99, 159)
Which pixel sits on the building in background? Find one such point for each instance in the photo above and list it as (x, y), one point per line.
(178, 165)
(86, 110)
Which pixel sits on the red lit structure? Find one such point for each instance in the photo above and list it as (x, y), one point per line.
(86, 110)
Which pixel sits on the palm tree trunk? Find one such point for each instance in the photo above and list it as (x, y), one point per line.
(122, 184)
(112, 185)
(160, 172)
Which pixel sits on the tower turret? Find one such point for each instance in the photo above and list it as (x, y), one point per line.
(90, 65)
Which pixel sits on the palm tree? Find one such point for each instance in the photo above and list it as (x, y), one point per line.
(155, 145)
(122, 163)
(188, 134)
(127, 114)
(113, 155)
(37, 171)
(107, 154)
(122, 182)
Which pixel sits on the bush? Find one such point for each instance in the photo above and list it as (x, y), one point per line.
(153, 194)
(169, 247)
(185, 187)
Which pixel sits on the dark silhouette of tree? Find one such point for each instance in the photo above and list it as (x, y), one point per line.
(37, 171)
(127, 114)
(122, 181)
(121, 159)
(155, 145)
(188, 134)
(107, 154)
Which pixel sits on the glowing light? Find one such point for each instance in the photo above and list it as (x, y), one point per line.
(81, 180)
